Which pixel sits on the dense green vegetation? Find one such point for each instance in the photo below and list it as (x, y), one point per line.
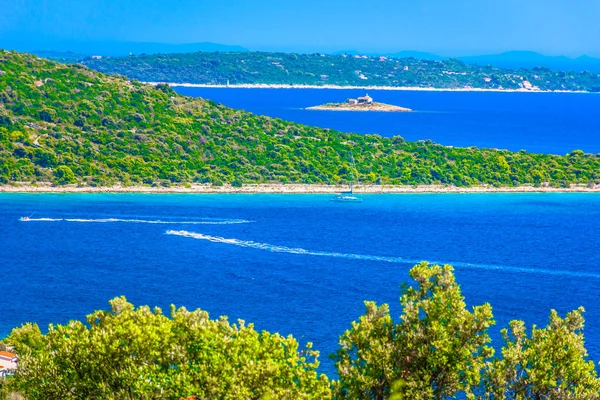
(344, 70)
(143, 354)
(437, 349)
(68, 124)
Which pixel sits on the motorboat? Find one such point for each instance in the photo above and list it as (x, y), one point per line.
(347, 198)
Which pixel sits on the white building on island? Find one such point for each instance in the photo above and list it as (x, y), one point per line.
(366, 99)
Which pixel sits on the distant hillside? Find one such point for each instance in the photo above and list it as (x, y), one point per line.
(63, 50)
(60, 56)
(510, 60)
(69, 124)
(344, 70)
(420, 55)
(530, 59)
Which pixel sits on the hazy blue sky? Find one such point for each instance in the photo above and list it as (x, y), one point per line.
(447, 27)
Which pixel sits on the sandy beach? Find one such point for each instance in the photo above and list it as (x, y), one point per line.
(290, 189)
(366, 87)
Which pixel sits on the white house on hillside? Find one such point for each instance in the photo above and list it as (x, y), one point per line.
(8, 362)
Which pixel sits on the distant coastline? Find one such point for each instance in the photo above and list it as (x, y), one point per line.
(338, 87)
(293, 189)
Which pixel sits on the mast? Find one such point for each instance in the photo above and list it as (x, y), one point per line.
(352, 171)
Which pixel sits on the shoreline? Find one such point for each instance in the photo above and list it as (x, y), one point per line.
(365, 87)
(293, 189)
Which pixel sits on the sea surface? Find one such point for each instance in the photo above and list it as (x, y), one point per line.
(296, 264)
(554, 123)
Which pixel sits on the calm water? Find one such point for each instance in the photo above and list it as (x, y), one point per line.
(537, 122)
(296, 264)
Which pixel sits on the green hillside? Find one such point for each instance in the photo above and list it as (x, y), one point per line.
(68, 124)
(344, 70)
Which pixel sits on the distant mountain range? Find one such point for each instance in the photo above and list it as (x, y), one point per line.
(530, 59)
(419, 55)
(510, 59)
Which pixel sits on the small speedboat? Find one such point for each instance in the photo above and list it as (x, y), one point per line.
(25, 218)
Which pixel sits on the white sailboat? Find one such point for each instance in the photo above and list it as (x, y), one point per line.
(348, 196)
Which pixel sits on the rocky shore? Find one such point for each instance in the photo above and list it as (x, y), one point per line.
(360, 107)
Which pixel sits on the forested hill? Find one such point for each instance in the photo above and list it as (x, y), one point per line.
(69, 124)
(345, 70)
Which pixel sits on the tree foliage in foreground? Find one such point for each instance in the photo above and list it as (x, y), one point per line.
(438, 349)
(550, 364)
(67, 124)
(142, 354)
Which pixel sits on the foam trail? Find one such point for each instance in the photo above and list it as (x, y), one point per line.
(139, 221)
(400, 260)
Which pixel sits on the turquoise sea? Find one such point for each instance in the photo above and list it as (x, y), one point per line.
(296, 264)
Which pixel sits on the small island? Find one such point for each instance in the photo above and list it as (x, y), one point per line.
(364, 103)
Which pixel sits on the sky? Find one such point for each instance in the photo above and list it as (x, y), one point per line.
(445, 27)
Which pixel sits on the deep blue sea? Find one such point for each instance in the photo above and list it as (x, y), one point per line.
(296, 264)
(554, 123)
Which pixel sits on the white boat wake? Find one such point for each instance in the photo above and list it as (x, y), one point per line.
(401, 260)
(285, 249)
(139, 221)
